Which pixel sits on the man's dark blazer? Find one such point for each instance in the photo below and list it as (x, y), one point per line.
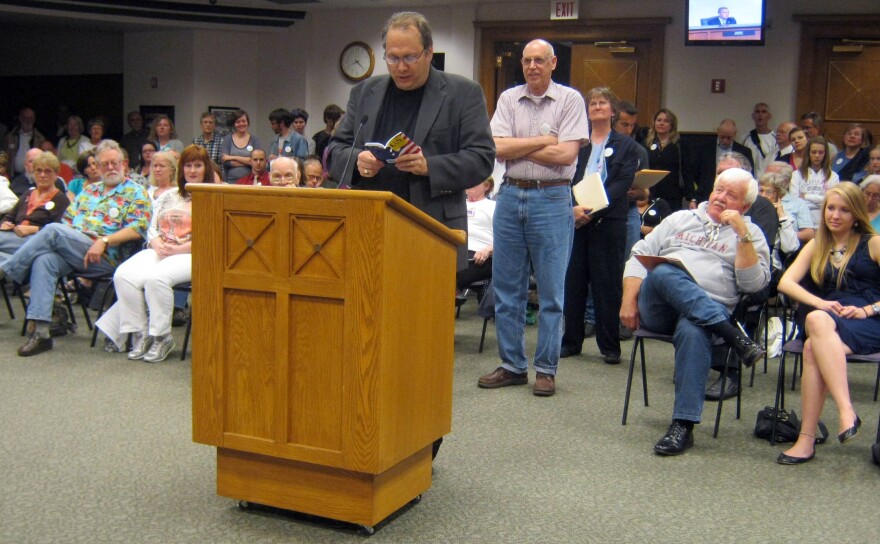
(716, 21)
(453, 131)
(703, 166)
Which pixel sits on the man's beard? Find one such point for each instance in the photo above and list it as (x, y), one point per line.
(113, 178)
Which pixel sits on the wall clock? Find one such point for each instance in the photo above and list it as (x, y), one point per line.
(357, 61)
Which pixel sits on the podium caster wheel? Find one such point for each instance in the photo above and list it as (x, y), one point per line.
(244, 505)
(416, 500)
(367, 530)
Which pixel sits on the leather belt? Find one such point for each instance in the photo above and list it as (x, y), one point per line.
(536, 183)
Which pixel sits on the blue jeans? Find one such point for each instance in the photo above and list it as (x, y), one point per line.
(531, 227)
(10, 242)
(671, 303)
(55, 251)
(633, 229)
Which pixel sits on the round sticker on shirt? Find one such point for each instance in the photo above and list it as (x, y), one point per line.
(50, 205)
(287, 149)
(839, 161)
(652, 212)
(114, 213)
(653, 147)
(609, 152)
(250, 148)
(545, 129)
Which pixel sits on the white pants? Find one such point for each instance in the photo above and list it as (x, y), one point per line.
(145, 281)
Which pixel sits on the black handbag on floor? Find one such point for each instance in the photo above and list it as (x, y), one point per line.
(788, 426)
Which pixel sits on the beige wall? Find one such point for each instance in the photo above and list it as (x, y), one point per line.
(298, 66)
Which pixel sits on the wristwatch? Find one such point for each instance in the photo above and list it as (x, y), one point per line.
(875, 308)
(106, 240)
(747, 239)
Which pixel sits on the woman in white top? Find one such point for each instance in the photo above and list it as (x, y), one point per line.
(814, 176)
(480, 211)
(163, 175)
(144, 282)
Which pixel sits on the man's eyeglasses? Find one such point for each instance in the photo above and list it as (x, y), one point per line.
(539, 61)
(108, 165)
(289, 178)
(408, 59)
(872, 196)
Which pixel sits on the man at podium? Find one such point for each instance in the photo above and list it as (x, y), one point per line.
(444, 115)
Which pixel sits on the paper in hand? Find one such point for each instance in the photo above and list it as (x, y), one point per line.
(590, 193)
(645, 179)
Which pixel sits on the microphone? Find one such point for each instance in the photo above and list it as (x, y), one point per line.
(342, 183)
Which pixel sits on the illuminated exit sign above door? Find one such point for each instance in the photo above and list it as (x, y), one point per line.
(563, 10)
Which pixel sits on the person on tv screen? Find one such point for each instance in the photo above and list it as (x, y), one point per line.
(723, 18)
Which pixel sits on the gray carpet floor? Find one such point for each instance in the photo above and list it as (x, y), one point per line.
(95, 448)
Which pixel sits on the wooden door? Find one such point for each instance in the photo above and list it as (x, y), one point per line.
(839, 72)
(620, 66)
(852, 85)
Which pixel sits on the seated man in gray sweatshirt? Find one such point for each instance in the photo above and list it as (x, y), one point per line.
(725, 255)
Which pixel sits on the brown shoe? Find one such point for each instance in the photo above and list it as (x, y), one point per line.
(545, 385)
(35, 345)
(501, 377)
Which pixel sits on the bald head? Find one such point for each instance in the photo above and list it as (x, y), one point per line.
(284, 172)
(29, 157)
(726, 133)
(782, 133)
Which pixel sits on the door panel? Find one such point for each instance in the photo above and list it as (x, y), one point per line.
(593, 66)
(843, 85)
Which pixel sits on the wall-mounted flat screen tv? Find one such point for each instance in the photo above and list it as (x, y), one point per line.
(725, 22)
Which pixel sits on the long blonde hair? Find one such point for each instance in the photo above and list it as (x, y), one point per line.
(855, 201)
(673, 127)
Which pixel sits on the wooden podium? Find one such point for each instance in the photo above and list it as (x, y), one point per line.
(323, 351)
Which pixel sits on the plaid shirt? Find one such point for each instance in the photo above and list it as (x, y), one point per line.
(213, 146)
(97, 214)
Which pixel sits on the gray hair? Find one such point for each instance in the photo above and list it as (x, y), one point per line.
(737, 157)
(873, 178)
(740, 175)
(777, 181)
(107, 145)
(784, 168)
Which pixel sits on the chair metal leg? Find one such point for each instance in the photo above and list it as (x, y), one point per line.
(66, 296)
(644, 372)
(629, 379)
(794, 370)
(724, 374)
(108, 297)
(483, 335)
(6, 299)
(877, 386)
(186, 338)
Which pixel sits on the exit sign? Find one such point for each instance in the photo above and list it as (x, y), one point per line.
(563, 10)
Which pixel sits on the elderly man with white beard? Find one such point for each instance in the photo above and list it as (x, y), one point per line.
(105, 216)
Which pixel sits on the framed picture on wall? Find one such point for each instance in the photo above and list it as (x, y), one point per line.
(151, 112)
(224, 118)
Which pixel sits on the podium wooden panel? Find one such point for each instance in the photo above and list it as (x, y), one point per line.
(323, 352)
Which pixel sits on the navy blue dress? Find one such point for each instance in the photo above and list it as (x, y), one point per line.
(860, 287)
